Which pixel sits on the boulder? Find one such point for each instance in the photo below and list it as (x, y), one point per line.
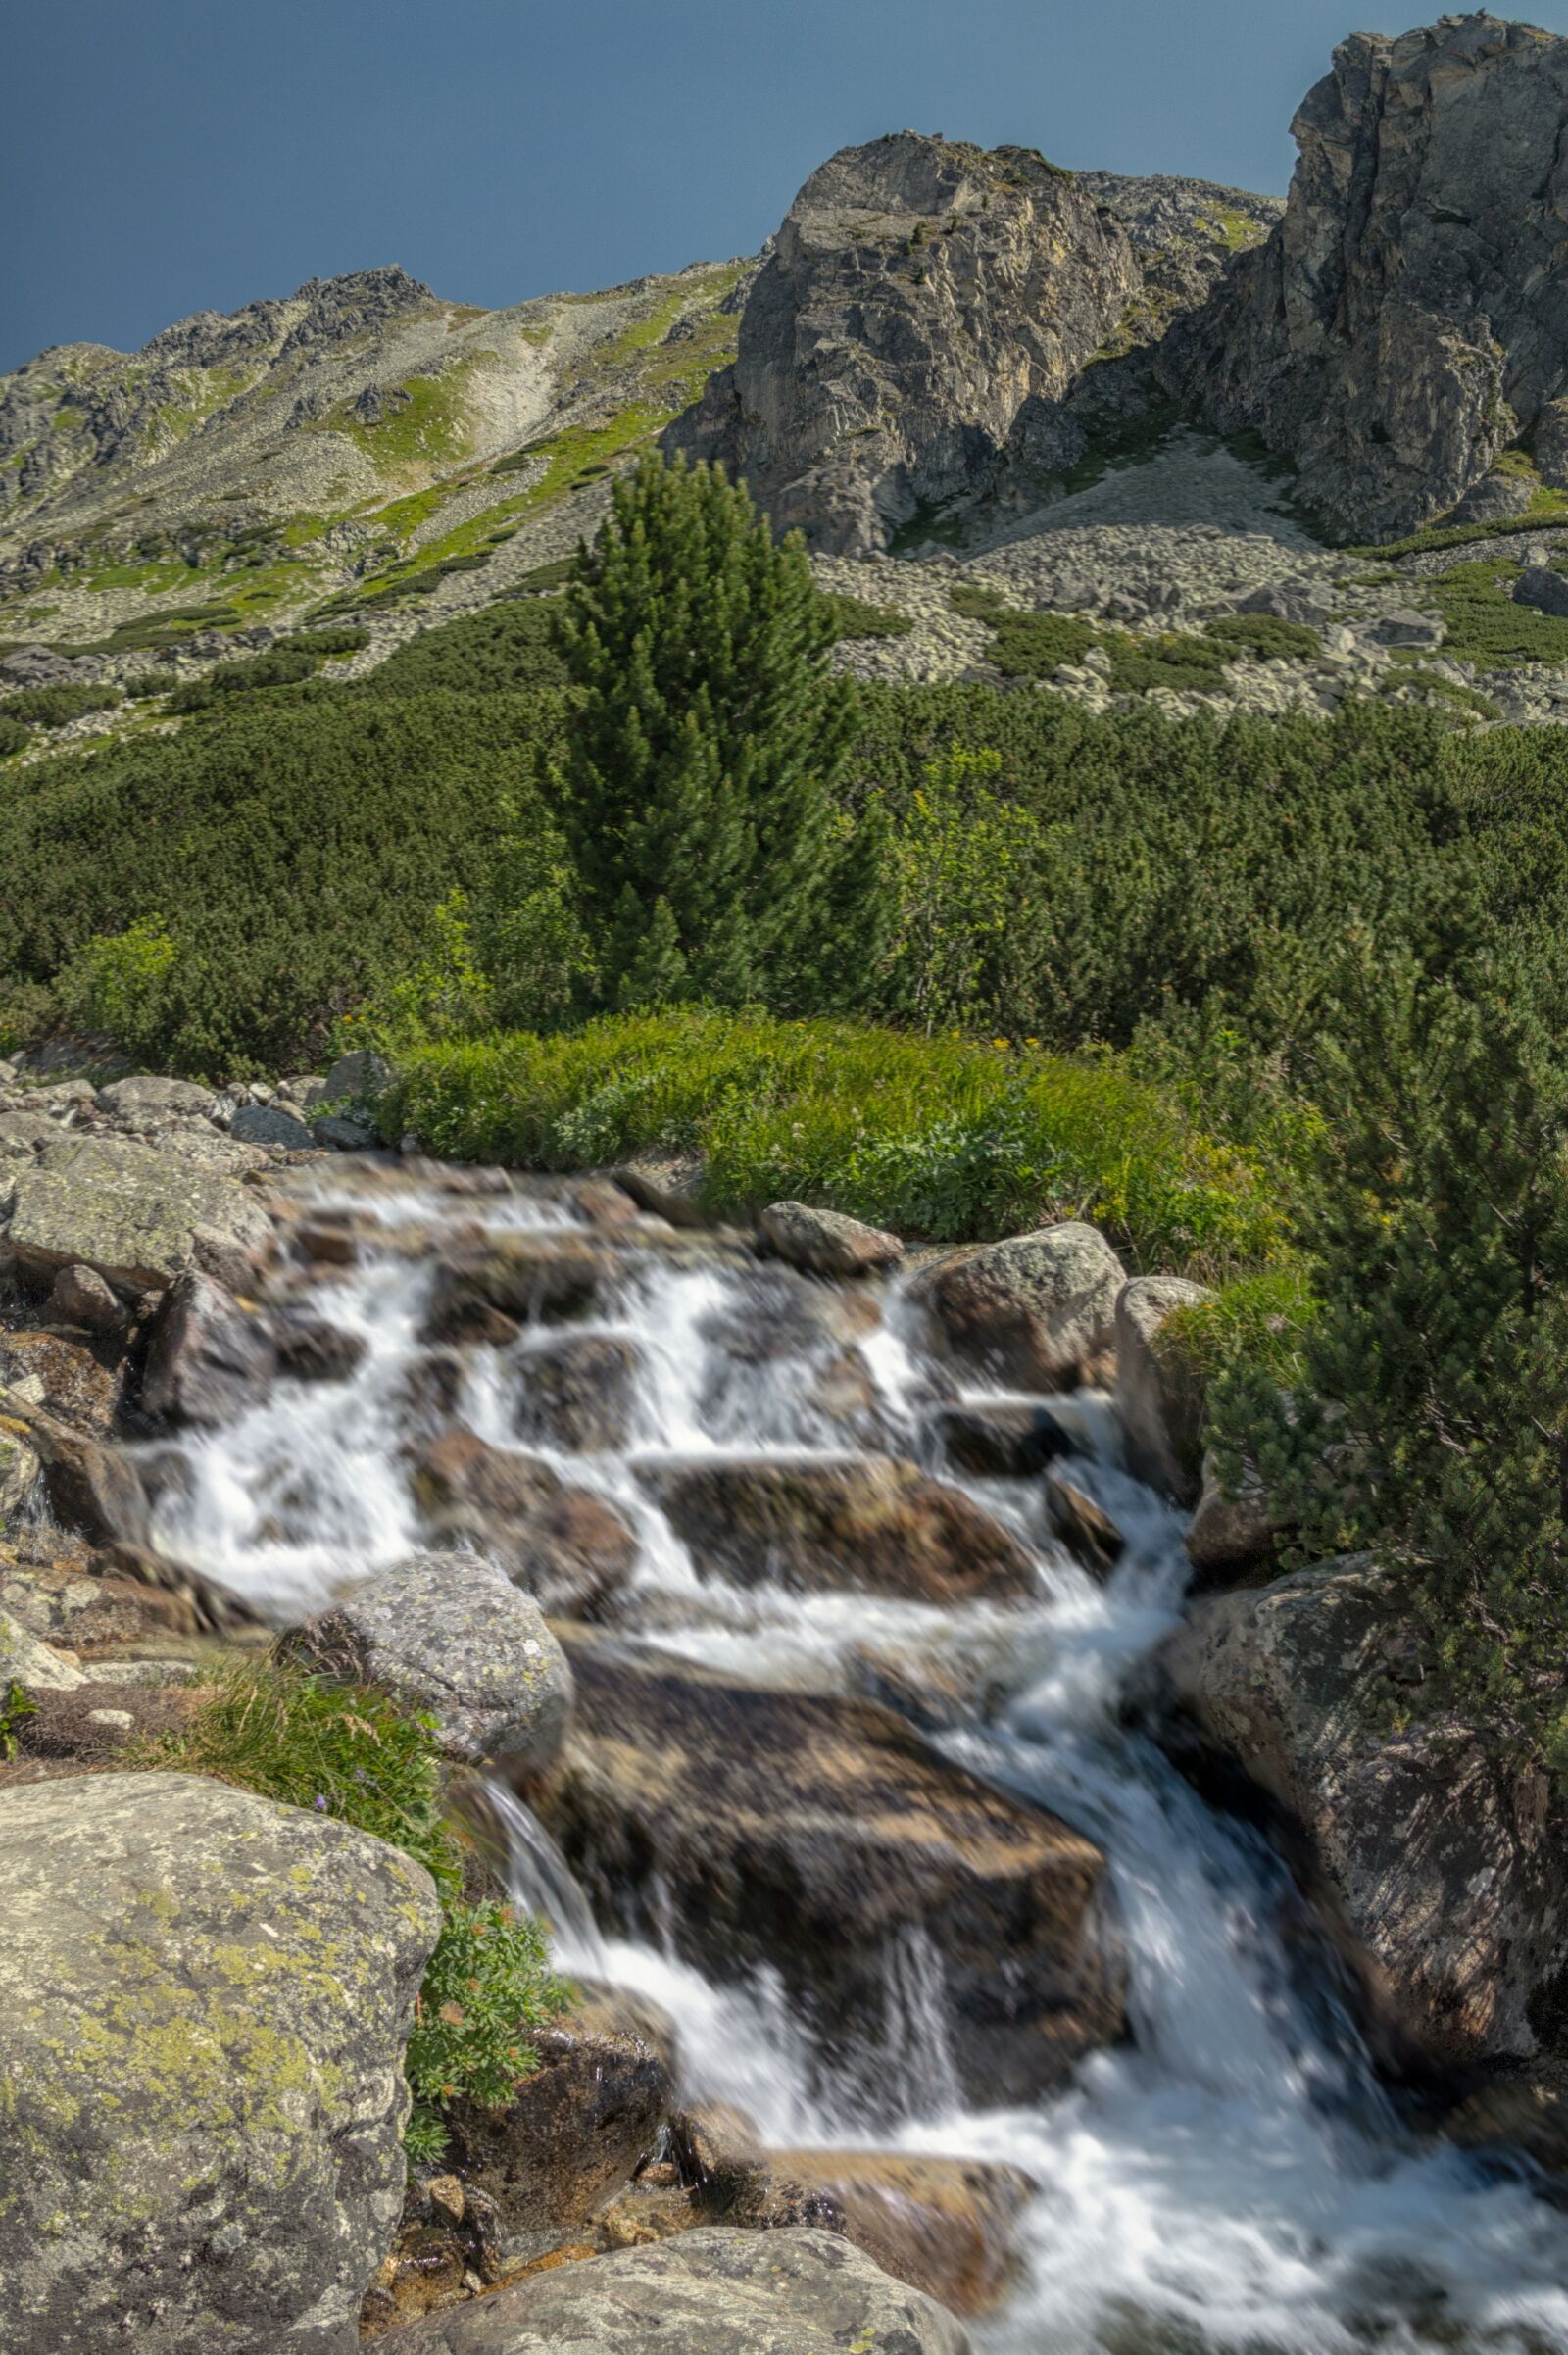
(35, 1666)
(861, 1524)
(578, 1393)
(1084, 1522)
(943, 2226)
(356, 1078)
(80, 1297)
(20, 1472)
(450, 1633)
(487, 1290)
(1159, 1404)
(208, 1359)
(206, 2001)
(577, 2129)
(92, 1488)
(1000, 1442)
(136, 1216)
(824, 1243)
(671, 1185)
(824, 1837)
(1408, 628)
(270, 1124)
(310, 1349)
(24, 1134)
(337, 1133)
(1543, 587)
(1036, 1311)
(90, 1608)
(1229, 1533)
(1440, 1855)
(144, 1097)
(565, 1546)
(707, 2292)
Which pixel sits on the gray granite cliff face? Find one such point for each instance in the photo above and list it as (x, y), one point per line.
(1408, 317)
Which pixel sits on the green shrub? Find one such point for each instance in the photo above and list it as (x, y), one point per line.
(322, 642)
(14, 734)
(53, 707)
(506, 649)
(144, 683)
(351, 1753)
(118, 986)
(278, 668)
(1484, 625)
(1266, 635)
(853, 617)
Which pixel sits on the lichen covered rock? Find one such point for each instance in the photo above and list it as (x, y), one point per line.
(204, 2002)
(135, 1215)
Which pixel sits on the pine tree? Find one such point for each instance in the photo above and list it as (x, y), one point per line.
(699, 784)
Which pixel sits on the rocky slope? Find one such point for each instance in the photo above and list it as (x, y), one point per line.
(1407, 320)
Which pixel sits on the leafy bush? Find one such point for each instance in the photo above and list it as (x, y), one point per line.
(53, 707)
(118, 986)
(144, 683)
(935, 1135)
(276, 668)
(14, 734)
(507, 649)
(352, 1753)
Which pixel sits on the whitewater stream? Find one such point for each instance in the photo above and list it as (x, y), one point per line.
(1231, 2176)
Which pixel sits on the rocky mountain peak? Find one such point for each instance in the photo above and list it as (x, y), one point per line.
(920, 292)
(1408, 317)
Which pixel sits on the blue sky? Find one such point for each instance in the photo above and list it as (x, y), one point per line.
(183, 155)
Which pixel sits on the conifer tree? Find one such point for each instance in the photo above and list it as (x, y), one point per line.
(699, 785)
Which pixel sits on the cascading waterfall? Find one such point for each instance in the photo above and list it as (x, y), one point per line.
(1232, 2177)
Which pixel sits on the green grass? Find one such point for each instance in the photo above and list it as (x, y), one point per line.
(939, 1137)
(429, 428)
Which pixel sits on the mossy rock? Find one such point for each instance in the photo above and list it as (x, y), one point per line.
(206, 1999)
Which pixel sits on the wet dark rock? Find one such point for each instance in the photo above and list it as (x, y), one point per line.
(1085, 1524)
(823, 1835)
(567, 1548)
(208, 1358)
(80, 1297)
(578, 1393)
(862, 1524)
(487, 1290)
(310, 1349)
(1004, 1441)
(91, 1486)
(577, 2127)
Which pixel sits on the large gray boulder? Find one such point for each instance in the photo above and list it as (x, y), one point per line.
(920, 292)
(207, 1357)
(206, 1998)
(451, 1633)
(135, 1215)
(1034, 1312)
(271, 1125)
(1408, 317)
(1440, 1855)
(707, 2292)
(1159, 1404)
(146, 1098)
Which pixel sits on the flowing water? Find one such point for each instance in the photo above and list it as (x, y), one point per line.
(1230, 2179)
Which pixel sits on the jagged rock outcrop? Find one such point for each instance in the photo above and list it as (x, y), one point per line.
(1408, 317)
(919, 293)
